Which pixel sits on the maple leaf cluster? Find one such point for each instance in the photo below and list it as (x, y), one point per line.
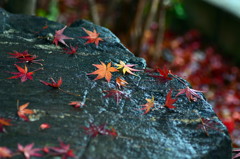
(29, 151)
(93, 37)
(25, 57)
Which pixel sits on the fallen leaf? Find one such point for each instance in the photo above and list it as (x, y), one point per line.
(5, 152)
(72, 50)
(126, 68)
(93, 37)
(190, 93)
(121, 82)
(29, 151)
(30, 59)
(148, 106)
(116, 94)
(104, 71)
(169, 100)
(53, 84)
(23, 111)
(17, 54)
(59, 37)
(44, 126)
(4, 122)
(76, 104)
(23, 73)
(63, 150)
(237, 155)
(164, 74)
(94, 130)
(208, 124)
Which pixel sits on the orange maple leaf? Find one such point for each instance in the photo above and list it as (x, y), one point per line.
(121, 82)
(93, 37)
(104, 71)
(148, 106)
(22, 111)
(5, 122)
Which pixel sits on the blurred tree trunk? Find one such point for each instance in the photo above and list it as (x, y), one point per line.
(160, 35)
(21, 6)
(94, 12)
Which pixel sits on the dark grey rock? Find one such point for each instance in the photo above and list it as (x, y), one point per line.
(163, 133)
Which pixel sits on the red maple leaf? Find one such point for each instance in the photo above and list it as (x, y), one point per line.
(93, 37)
(30, 59)
(63, 150)
(169, 100)
(104, 71)
(25, 57)
(59, 37)
(23, 73)
(190, 93)
(29, 151)
(94, 130)
(22, 111)
(164, 74)
(72, 50)
(5, 152)
(121, 82)
(116, 94)
(17, 54)
(53, 84)
(148, 106)
(208, 124)
(76, 104)
(56, 85)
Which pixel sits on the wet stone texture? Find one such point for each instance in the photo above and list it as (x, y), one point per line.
(163, 133)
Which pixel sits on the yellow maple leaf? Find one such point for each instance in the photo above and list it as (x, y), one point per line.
(126, 68)
(148, 106)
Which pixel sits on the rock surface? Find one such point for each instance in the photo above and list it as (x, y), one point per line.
(163, 133)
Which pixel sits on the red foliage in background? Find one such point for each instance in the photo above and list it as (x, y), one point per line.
(204, 67)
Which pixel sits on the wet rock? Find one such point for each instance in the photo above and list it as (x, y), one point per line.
(163, 133)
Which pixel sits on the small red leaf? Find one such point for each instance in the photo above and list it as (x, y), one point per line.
(169, 100)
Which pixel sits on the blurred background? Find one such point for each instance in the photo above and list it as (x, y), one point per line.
(195, 39)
